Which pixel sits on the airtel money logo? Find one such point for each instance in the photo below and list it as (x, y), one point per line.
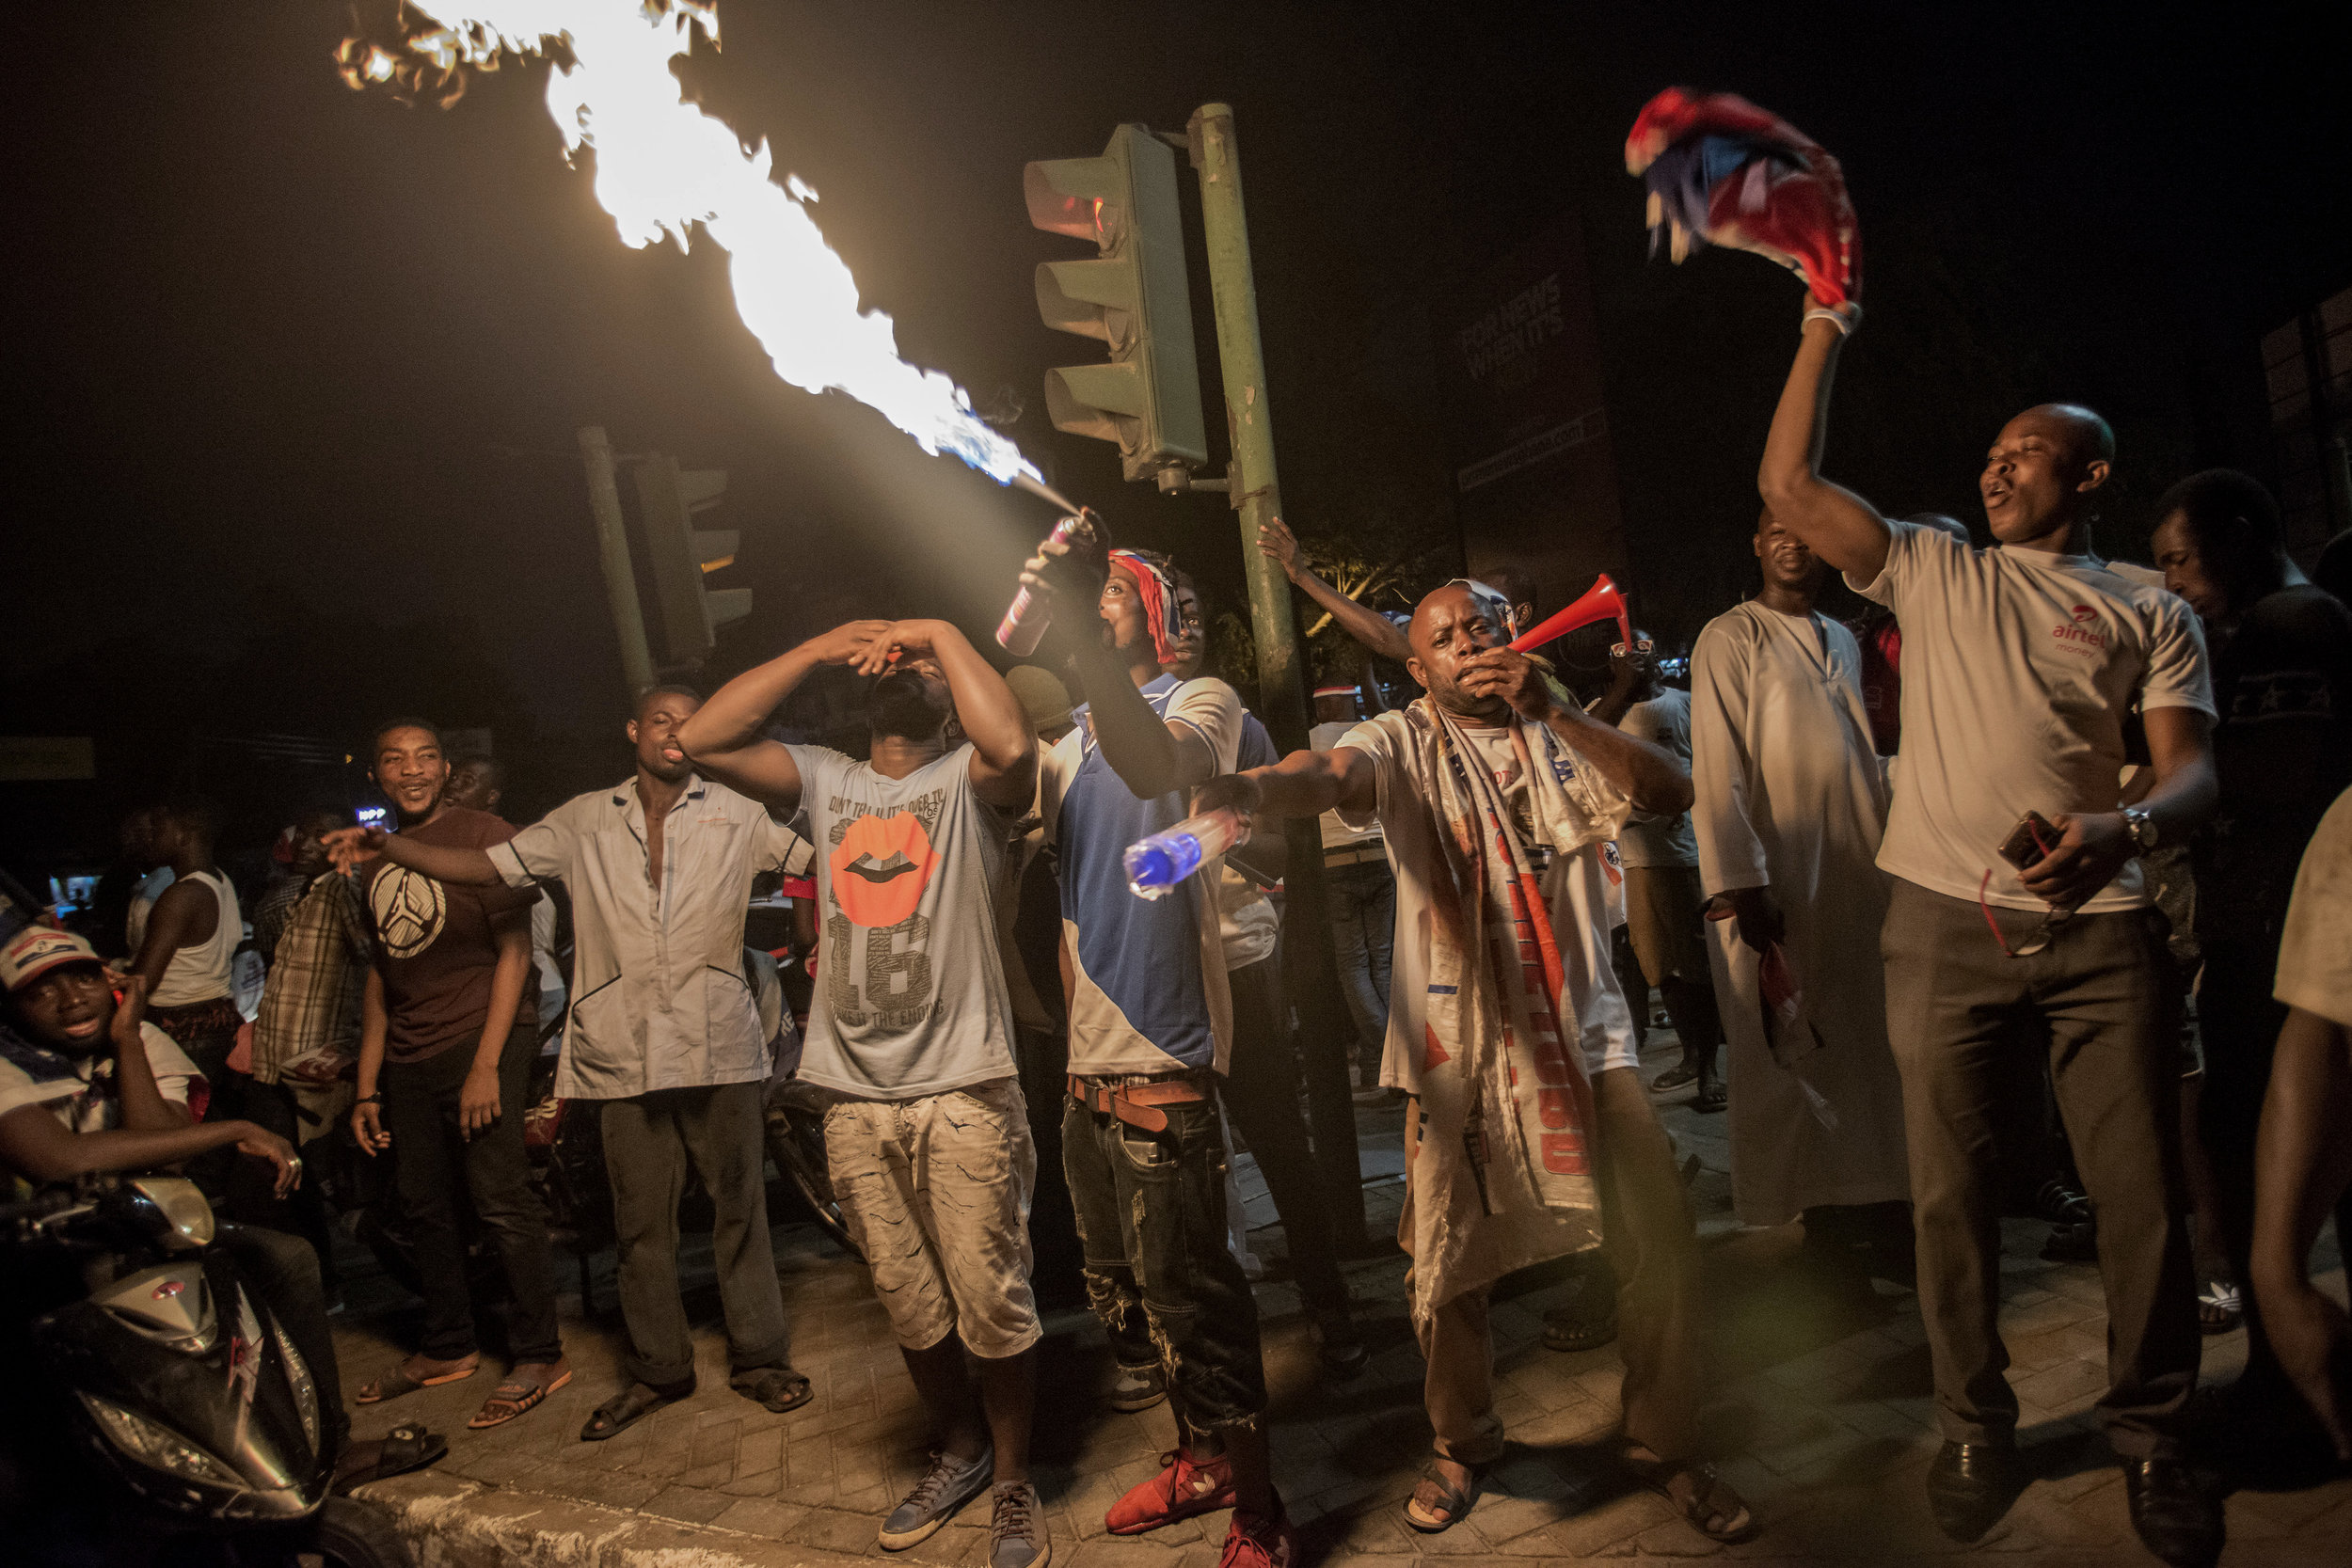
(881, 868)
(2081, 634)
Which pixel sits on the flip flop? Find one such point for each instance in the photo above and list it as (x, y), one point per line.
(1455, 1501)
(623, 1410)
(512, 1399)
(408, 1446)
(1713, 1522)
(393, 1384)
(1674, 1078)
(1710, 1099)
(780, 1388)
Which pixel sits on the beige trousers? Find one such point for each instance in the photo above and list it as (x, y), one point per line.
(1652, 1241)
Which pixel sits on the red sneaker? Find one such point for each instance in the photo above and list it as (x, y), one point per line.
(1184, 1488)
(1256, 1540)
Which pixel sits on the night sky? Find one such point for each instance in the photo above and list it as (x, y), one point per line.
(295, 371)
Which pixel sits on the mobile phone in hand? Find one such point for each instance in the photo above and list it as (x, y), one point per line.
(2029, 840)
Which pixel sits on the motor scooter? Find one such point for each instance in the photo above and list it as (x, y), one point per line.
(164, 1409)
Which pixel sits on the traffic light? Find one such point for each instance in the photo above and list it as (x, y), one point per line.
(679, 555)
(1134, 298)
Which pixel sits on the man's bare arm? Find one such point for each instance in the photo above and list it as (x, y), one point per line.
(723, 735)
(186, 914)
(1369, 627)
(1151, 755)
(1839, 526)
(1653, 778)
(2093, 846)
(454, 865)
(1305, 783)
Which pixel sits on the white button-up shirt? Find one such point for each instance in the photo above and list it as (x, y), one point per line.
(659, 1000)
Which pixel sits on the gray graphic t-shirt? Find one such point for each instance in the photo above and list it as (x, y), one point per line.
(910, 996)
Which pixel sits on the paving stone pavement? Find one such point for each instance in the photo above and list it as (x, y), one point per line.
(1826, 1427)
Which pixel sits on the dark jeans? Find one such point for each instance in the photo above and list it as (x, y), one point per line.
(437, 1167)
(1151, 1212)
(252, 1183)
(648, 1142)
(1261, 1097)
(1966, 1021)
(284, 1273)
(1363, 923)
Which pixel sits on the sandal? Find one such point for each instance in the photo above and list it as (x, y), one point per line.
(408, 1446)
(1710, 1097)
(392, 1384)
(1674, 1078)
(515, 1398)
(1445, 1511)
(623, 1410)
(1568, 1333)
(779, 1388)
(1700, 1506)
(2220, 1309)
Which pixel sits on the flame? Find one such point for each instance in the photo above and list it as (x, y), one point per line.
(663, 166)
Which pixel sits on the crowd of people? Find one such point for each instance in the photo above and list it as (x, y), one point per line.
(2030, 893)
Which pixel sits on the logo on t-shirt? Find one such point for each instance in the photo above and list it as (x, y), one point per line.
(880, 865)
(410, 911)
(881, 868)
(2081, 634)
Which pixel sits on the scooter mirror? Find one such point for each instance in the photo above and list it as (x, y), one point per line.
(175, 1209)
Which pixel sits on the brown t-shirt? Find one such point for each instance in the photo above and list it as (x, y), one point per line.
(436, 946)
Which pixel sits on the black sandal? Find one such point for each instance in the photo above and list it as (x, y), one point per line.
(1453, 1501)
(1568, 1333)
(1699, 1511)
(1710, 1097)
(623, 1410)
(408, 1446)
(779, 1388)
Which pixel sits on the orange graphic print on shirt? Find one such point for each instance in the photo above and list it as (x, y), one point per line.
(881, 868)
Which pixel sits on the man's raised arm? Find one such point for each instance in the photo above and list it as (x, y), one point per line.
(1839, 526)
(1004, 760)
(1373, 630)
(723, 736)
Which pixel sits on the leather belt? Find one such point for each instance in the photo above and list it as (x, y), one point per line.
(1356, 854)
(1137, 1103)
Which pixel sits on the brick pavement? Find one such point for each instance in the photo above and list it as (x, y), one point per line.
(1826, 1414)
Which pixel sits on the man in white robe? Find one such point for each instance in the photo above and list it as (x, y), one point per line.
(1791, 805)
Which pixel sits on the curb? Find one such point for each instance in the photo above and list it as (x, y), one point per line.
(450, 1522)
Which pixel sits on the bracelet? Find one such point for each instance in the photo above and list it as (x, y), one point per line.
(375, 1098)
(1844, 323)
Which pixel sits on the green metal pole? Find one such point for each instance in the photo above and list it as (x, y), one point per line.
(1281, 685)
(620, 577)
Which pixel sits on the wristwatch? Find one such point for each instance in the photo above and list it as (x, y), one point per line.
(2142, 828)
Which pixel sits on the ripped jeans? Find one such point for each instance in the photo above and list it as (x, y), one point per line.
(1151, 1210)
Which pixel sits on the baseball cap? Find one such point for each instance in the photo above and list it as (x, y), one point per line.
(1043, 698)
(37, 949)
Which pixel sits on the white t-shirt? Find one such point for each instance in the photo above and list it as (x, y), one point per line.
(72, 1090)
(1337, 834)
(1592, 1009)
(2315, 948)
(2019, 667)
(1664, 721)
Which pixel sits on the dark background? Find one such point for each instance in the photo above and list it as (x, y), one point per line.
(295, 371)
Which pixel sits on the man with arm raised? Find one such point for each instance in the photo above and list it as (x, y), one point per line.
(2020, 664)
(1529, 1118)
(911, 1032)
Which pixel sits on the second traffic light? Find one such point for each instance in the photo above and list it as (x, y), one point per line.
(679, 554)
(1134, 298)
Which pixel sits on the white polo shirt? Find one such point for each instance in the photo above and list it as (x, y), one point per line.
(2019, 667)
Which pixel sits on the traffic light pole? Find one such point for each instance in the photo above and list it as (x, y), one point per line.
(1282, 692)
(620, 577)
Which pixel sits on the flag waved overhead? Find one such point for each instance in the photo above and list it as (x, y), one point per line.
(662, 166)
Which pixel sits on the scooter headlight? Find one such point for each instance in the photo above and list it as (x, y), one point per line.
(156, 1447)
(306, 1392)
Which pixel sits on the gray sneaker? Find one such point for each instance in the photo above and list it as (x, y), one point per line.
(1138, 1387)
(951, 1485)
(1016, 1532)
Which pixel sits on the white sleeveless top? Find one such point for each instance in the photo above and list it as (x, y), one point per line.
(201, 972)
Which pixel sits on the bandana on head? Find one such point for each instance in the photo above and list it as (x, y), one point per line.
(1157, 586)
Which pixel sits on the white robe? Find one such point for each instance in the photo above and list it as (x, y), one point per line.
(1792, 795)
